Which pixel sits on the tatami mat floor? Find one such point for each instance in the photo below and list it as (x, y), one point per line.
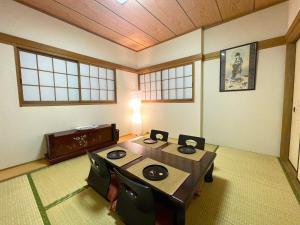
(248, 188)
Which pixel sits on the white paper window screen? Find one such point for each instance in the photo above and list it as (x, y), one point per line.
(46, 78)
(168, 84)
(97, 83)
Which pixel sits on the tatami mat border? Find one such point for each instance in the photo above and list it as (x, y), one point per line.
(66, 197)
(38, 201)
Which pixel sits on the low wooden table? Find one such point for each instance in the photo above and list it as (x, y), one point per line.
(198, 170)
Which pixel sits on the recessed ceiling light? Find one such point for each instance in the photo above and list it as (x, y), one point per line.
(122, 1)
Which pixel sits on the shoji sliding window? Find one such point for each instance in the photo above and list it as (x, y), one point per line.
(168, 85)
(49, 80)
(97, 83)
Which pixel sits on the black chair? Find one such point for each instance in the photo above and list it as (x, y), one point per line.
(154, 133)
(200, 142)
(136, 205)
(101, 179)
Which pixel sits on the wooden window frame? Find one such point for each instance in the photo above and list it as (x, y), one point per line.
(24, 103)
(192, 100)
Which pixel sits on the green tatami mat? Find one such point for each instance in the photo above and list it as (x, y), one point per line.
(248, 188)
(57, 181)
(85, 208)
(18, 206)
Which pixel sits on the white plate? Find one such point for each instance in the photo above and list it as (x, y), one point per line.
(86, 127)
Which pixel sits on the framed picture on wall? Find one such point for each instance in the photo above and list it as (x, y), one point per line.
(238, 68)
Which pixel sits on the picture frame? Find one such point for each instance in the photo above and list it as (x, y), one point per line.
(238, 68)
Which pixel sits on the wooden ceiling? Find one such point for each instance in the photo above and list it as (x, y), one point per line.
(139, 24)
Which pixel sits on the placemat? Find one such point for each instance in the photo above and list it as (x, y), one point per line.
(140, 141)
(169, 185)
(119, 162)
(172, 149)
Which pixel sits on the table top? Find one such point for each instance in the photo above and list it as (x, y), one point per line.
(197, 169)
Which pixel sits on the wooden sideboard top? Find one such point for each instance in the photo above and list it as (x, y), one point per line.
(74, 131)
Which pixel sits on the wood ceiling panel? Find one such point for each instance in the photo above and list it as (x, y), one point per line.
(169, 13)
(102, 15)
(55, 9)
(202, 13)
(138, 24)
(136, 14)
(260, 4)
(233, 8)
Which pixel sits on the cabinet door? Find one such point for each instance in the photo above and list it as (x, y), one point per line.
(295, 129)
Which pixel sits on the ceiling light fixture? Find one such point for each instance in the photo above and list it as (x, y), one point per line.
(122, 1)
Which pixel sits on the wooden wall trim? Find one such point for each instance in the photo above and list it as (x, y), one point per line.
(268, 43)
(288, 100)
(210, 56)
(39, 47)
(272, 42)
(173, 63)
(293, 34)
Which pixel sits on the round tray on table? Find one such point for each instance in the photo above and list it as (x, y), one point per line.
(186, 149)
(155, 172)
(149, 141)
(116, 154)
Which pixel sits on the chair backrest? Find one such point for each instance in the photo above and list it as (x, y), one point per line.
(99, 176)
(135, 204)
(164, 135)
(200, 142)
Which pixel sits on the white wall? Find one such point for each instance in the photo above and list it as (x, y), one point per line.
(248, 120)
(22, 128)
(177, 118)
(22, 21)
(261, 25)
(183, 46)
(294, 7)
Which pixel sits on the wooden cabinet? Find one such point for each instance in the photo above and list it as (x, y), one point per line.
(68, 144)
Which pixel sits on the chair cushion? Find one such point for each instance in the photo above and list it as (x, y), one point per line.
(113, 189)
(164, 215)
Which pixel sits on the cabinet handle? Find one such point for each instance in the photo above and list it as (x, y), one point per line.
(294, 109)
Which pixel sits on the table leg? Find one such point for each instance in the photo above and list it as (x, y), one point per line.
(180, 216)
(208, 177)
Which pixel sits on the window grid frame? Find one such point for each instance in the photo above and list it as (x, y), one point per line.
(20, 84)
(163, 100)
(106, 79)
(53, 72)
